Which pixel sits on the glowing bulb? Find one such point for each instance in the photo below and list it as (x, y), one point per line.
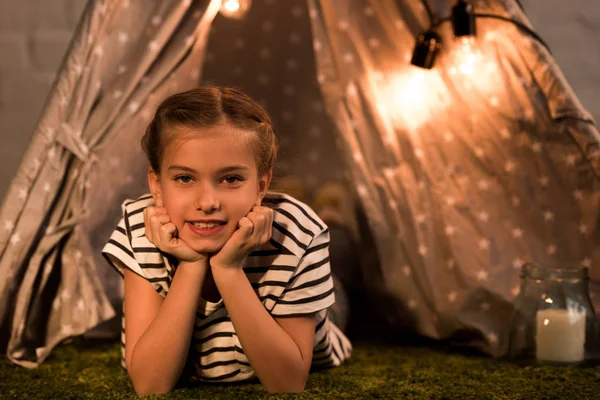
(473, 71)
(411, 97)
(466, 40)
(235, 9)
(231, 5)
(467, 55)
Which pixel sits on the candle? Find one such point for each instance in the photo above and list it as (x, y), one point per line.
(560, 335)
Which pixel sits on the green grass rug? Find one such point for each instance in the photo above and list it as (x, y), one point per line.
(83, 370)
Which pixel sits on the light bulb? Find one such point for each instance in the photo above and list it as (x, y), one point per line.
(473, 67)
(410, 98)
(231, 5)
(463, 19)
(426, 48)
(468, 56)
(235, 9)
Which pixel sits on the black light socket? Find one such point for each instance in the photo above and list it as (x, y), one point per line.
(426, 48)
(463, 19)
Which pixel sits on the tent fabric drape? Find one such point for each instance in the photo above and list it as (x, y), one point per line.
(125, 56)
(465, 171)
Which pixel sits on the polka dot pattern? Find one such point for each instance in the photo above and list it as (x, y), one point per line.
(269, 55)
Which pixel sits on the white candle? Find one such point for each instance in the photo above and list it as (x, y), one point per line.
(560, 335)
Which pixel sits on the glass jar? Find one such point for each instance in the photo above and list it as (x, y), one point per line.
(553, 320)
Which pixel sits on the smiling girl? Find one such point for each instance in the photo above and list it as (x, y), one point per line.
(224, 281)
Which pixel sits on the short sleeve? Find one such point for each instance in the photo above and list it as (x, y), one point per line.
(129, 248)
(310, 288)
(118, 251)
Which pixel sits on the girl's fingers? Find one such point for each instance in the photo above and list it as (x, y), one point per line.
(268, 227)
(156, 222)
(260, 218)
(166, 234)
(264, 220)
(161, 232)
(154, 217)
(244, 233)
(247, 227)
(155, 210)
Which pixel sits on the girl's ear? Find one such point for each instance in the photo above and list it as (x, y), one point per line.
(154, 184)
(263, 186)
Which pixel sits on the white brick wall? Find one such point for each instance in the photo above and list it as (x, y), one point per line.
(34, 35)
(572, 30)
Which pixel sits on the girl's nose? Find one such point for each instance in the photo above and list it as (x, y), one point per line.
(207, 200)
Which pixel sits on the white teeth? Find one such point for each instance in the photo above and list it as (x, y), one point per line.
(203, 225)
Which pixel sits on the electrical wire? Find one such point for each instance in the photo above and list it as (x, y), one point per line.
(518, 24)
(575, 118)
(429, 12)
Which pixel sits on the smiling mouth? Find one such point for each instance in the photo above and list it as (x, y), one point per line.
(206, 229)
(207, 225)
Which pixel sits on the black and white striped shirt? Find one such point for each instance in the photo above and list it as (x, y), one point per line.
(290, 275)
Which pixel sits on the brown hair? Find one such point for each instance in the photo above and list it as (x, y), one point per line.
(209, 106)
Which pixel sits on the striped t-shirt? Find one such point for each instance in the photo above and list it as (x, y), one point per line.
(290, 274)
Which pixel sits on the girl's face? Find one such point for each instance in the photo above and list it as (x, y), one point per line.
(208, 176)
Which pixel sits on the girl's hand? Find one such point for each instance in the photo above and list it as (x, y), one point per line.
(161, 232)
(253, 230)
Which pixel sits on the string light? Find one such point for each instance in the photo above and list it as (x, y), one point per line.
(412, 97)
(429, 43)
(426, 49)
(235, 9)
(467, 55)
(463, 21)
(463, 18)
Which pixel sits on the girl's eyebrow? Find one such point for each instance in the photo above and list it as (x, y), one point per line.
(233, 168)
(181, 168)
(220, 171)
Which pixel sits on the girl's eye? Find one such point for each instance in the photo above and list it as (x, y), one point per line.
(185, 179)
(233, 179)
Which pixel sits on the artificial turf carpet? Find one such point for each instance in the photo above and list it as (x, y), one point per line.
(83, 370)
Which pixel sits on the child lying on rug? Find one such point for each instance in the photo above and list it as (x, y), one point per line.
(224, 281)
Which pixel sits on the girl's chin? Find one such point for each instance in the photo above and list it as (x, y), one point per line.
(207, 249)
(205, 246)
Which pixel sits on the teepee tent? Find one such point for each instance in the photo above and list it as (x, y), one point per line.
(464, 171)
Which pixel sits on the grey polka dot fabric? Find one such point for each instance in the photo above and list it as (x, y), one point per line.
(463, 172)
